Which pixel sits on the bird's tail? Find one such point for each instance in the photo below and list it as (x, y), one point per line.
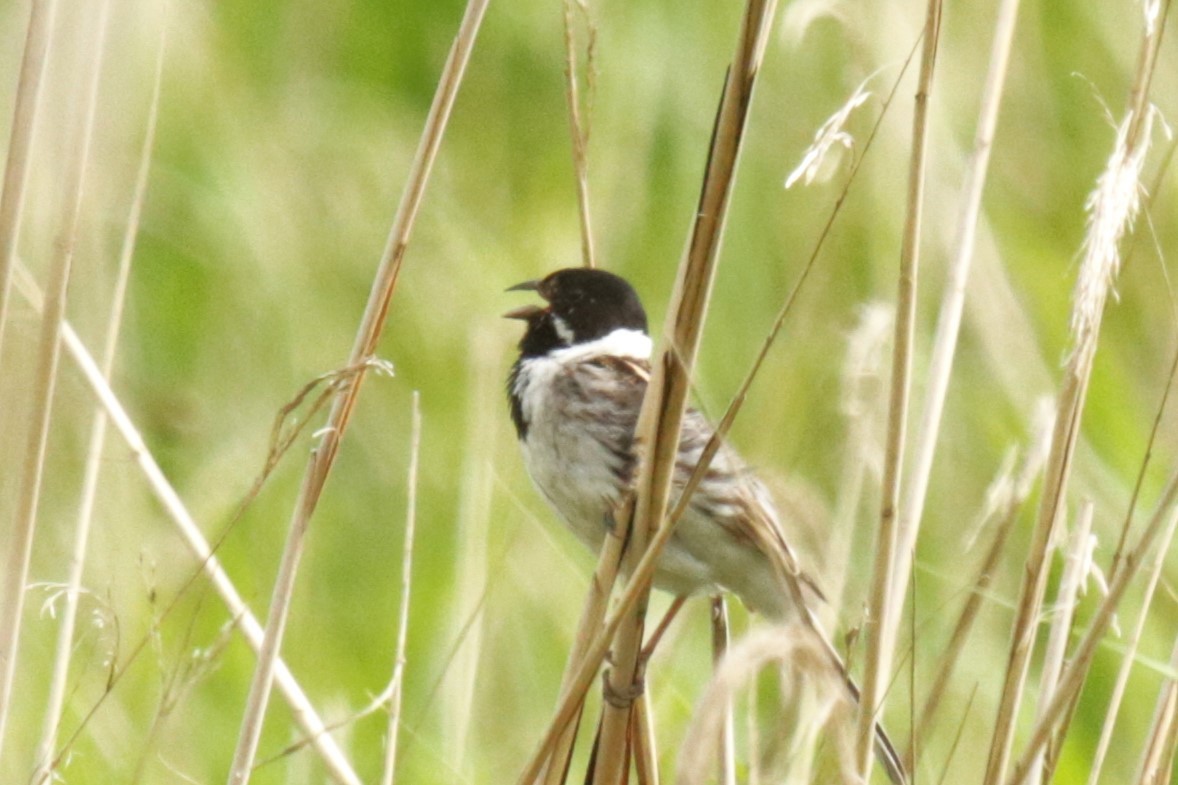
(786, 596)
(885, 750)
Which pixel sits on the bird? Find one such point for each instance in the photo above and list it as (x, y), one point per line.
(574, 394)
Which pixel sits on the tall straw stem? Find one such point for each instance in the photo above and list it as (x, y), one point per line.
(367, 336)
(662, 410)
(579, 124)
(953, 300)
(44, 381)
(880, 628)
(38, 40)
(388, 771)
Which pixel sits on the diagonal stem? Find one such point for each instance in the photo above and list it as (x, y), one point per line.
(371, 327)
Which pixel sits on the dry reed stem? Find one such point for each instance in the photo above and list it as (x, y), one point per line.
(578, 126)
(726, 752)
(1073, 676)
(38, 41)
(304, 713)
(44, 381)
(398, 680)
(1157, 757)
(1076, 556)
(644, 741)
(557, 753)
(656, 636)
(1112, 208)
(663, 405)
(953, 300)
(371, 325)
(94, 452)
(881, 629)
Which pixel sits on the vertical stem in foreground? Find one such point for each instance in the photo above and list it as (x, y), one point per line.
(371, 327)
(879, 623)
(578, 125)
(666, 396)
(44, 382)
(20, 143)
(81, 537)
(953, 303)
(390, 756)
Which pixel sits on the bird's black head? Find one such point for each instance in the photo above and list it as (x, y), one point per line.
(583, 305)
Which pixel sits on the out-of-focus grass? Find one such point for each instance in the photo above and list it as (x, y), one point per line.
(285, 134)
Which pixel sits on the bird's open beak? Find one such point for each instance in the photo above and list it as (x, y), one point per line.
(526, 286)
(525, 312)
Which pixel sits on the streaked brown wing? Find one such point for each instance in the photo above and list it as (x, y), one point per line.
(737, 500)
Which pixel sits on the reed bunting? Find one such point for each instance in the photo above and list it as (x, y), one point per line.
(575, 393)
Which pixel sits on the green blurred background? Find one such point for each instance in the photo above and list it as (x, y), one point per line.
(285, 134)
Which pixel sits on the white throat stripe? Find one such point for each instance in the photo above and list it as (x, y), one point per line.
(623, 343)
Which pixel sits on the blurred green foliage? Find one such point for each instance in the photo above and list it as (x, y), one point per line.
(286, 130)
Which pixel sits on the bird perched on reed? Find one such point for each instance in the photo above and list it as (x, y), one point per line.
(575, 394)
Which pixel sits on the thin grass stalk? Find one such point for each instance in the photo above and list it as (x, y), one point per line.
(38, 41)
(663, 405)
(94, 452)
(726, 754)
(1129, 657)
(389, 769)
(1112, 209)
(336, 764)
(578, 126)
(1073, 676)
(45, 379)
(1075, 558)
(953, 300)
(957, 737)
(1157, 757)
(881, 630)
(367, 337)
